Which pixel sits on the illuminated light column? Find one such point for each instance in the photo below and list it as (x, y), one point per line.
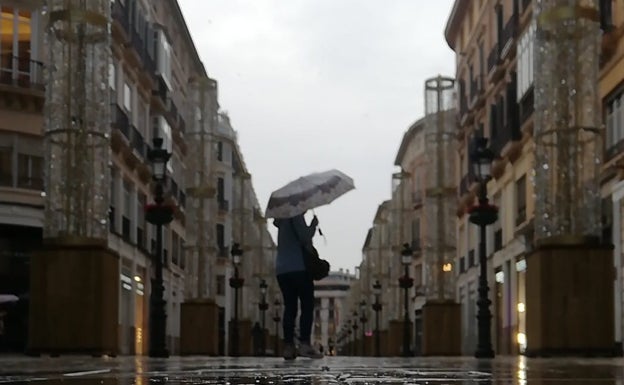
(75, 274)
(201, 308)
(439, 229)
(568, 252)
(77, 120)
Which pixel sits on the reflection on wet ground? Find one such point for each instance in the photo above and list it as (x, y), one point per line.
(330, 370)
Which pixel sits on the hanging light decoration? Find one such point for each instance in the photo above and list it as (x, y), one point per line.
(567, 120)
(77, 119)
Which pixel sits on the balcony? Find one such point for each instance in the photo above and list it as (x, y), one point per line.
(508, 36)
(162, 92)
(495, 69)
(141, 239)
(477, 99)
(498, 240)
(121, 121)
(471, 258)
(138, 143)
(526, 106)
(120, 14)
(224, 206)
(111, 219)
(182, 199)
(614, 150)
(30, 183)
(521, 216)
(21, 72)
(125, 229)
(223, 251)
(417, 199)
(466, 181)
(416, 245)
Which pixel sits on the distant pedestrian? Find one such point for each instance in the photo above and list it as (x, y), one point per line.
(257, 335)
(295, 283)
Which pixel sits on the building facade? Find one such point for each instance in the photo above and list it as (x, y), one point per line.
(153, 68)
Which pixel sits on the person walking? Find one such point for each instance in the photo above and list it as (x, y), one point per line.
(296, 284)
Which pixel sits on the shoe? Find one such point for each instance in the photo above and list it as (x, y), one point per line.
(306, 350)
(290, 353)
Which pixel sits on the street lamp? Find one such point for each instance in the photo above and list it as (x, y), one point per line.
(377, 308)
(158, 214)
(236, 282)
(363, 321)
(483, 214)
(277, 318)
(263, 306)
(355, 328)
(405, 282)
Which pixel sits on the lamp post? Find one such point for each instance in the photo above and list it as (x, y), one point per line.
(405, 282)
(263, 306)
(363, 321)
(355, 335)
(236, 282)
(483, 214)
(159, 215)
(377, 308)
(277, 318)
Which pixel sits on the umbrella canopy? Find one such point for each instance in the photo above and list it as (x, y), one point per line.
(308, 192)
(5, 298)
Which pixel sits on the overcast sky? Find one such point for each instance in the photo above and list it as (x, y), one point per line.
(317, 84)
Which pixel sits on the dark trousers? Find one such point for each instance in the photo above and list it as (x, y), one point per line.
(297, 287)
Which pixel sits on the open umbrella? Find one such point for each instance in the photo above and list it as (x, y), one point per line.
(308, 192)
(7, 298)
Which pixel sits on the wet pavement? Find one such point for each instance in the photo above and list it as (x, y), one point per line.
(329, 370)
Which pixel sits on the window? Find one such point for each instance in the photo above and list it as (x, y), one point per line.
(416, 234)
(175, 243)
(141, 224)
(16, 30)
(126, 221)
(521, 200)
(221, 240)
(30, 172)
(220, 151)
(615, 121)
(220, 189)
(112, 76)
(163, 59)
(525, 61)
(220, 284)
(6, 166)
(127, 97)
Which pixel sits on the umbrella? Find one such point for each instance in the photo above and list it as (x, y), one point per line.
(308, 192)
(8, 298)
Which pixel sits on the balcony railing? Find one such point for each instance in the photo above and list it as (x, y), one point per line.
(471, 258)
(493, 58)
(32, 183)
(162, 91)
(121, 121)
(138, 143)
(498, 240)
(111, 219)
(21, 71)
(476, 85)
(465, 183)
(613, 150)
(508, 35)
(416, 245)
(224, 205)
(223, 251)
(417, 199)
(120, 14)
(526, 106)
(125, 229)
(141, 239)
(520, 215)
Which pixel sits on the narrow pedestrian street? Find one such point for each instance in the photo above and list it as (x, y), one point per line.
(329, 370)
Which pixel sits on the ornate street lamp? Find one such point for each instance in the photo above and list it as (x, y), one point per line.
(482, 215)
(277, 318)
(236, 282)
(363, 321)
(377, 308)
(158, 214)
(263, 306)
(406, 282)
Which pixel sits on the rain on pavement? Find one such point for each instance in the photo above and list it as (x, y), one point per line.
(329, 370)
